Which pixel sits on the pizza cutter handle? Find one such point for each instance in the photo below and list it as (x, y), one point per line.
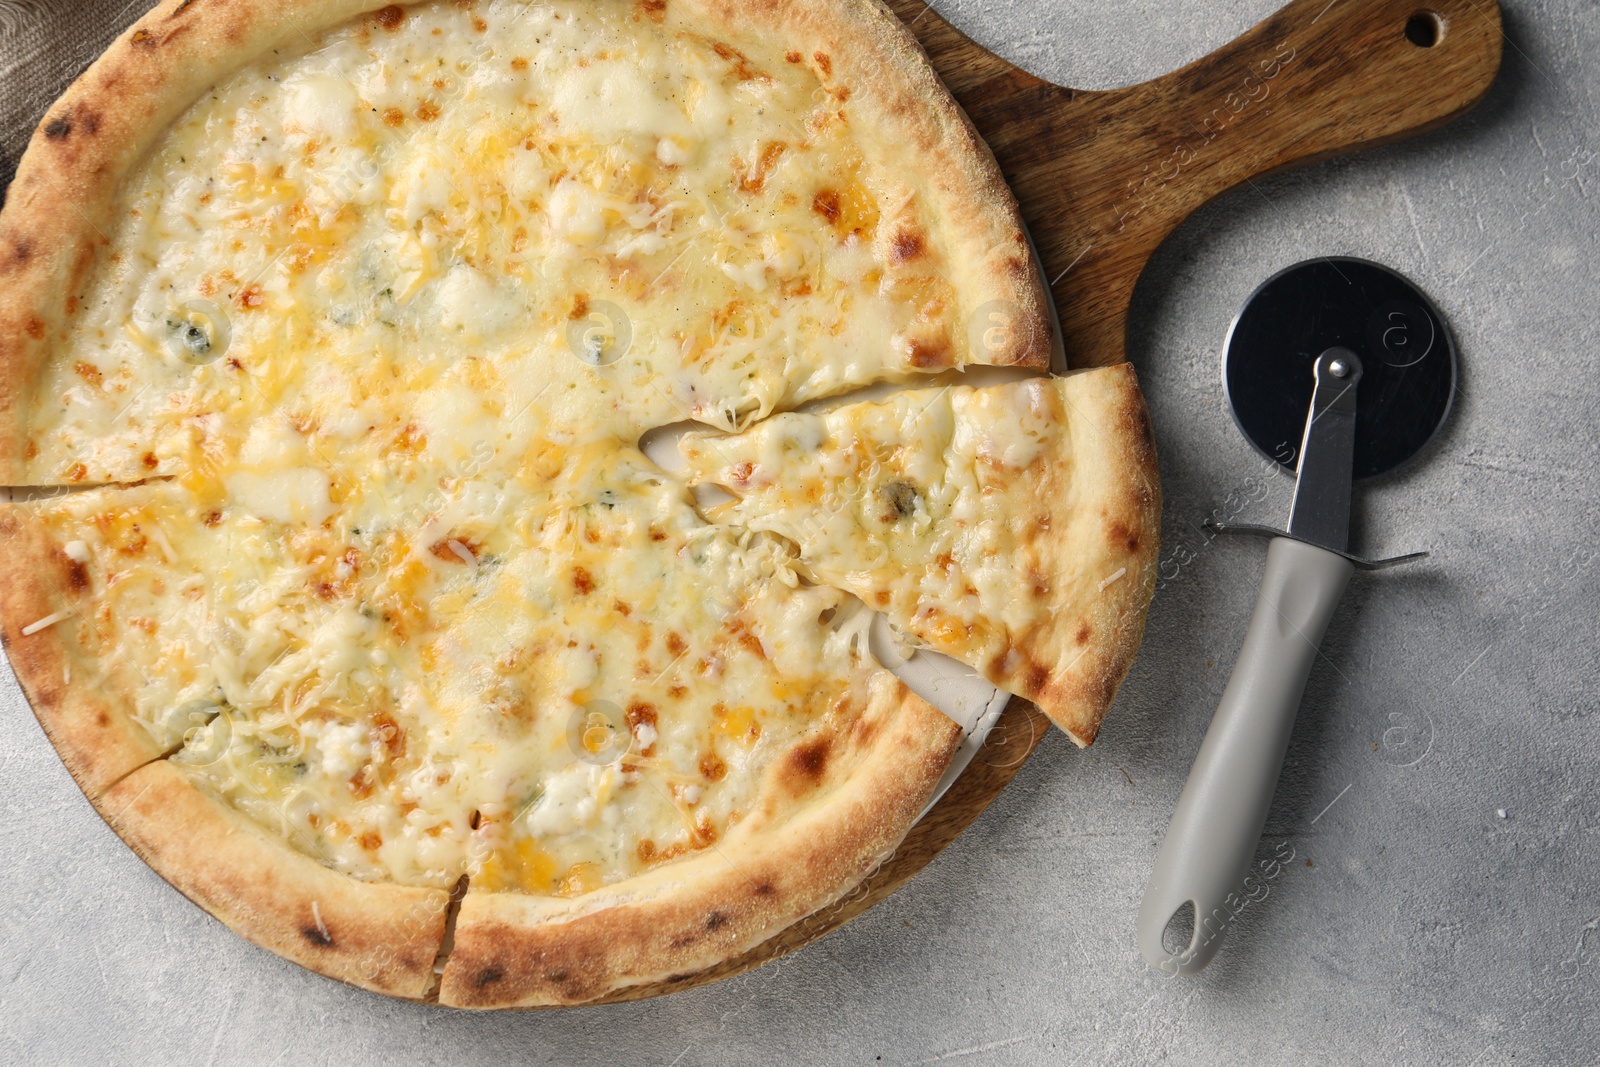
(1212, 840)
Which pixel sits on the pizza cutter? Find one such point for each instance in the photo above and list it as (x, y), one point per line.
(1337, 369)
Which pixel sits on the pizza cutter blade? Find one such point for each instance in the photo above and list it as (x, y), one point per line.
(1338, 369)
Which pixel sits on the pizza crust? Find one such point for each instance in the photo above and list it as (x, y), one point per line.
(1100, 550)
(376, 936)
(73, 696)
(58, 207)
(512, 950)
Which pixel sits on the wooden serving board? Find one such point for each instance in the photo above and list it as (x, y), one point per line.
(1103, 177)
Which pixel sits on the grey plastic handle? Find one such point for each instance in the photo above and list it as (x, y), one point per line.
(1217, 826)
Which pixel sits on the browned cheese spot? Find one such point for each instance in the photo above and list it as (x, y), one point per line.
(640, 714)
(390, 17)
(444, 548)
(582, 581)
(754, 178)
(826, 204)
(741, 63)
(925, 354)
(389, 736)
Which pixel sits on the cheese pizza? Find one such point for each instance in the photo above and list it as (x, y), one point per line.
(1012, 527)
(334, 570)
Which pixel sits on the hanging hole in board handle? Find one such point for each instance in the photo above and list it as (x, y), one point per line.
(1424, 29)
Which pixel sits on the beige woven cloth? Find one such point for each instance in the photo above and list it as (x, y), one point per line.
(44, 44)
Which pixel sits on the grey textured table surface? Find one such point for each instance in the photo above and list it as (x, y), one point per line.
(1440, 797)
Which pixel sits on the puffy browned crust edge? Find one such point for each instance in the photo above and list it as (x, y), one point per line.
(57, 210)
(1105, 490)
(512, 950)
(380, 937)
(75, 699)
(855, 43)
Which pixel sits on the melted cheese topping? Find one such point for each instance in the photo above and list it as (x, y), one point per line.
(331, 234)
(918, 504)
(548, 687)
(388, 316)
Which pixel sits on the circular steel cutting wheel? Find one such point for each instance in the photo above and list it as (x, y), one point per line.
(1407, 355)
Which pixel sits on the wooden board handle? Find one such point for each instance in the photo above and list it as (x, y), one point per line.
(1104, 177)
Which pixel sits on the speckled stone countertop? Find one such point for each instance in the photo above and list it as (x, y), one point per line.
(1440, 796)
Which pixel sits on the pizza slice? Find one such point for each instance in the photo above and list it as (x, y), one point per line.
(1014, 528)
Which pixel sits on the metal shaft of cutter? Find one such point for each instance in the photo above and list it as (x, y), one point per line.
(1320, 512)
